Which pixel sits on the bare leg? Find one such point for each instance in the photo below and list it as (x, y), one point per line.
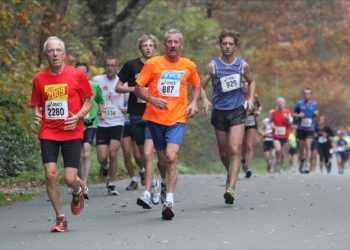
(113, 163)
(85, 163)
(126, 144)
(148, 151)
(249, 146)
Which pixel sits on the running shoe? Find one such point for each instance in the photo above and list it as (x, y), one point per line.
(142, 177)
(248, 173)
(162, 193)
(229, 196)
(61, 224)
(156, 190)
(86, 193)
(111, 189)
(77, 204)
(144, 201)
(168, 212)
(132, 186)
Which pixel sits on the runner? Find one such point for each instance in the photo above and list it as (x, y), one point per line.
(251, 127)
(269, 151)
(341, 148)
(90, 125)
(166, 108)
(305, 111)
(61, 97)
(229, 114)
(314, 149)
(325, 138)
(129, 148)
(282, 120)
(110, 126)
(136, 108)
(293, 149)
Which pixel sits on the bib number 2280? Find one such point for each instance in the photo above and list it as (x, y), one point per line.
(55, 110)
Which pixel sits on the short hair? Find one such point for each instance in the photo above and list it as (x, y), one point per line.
(229, 33)
(112, 58)
(307, 89)
(53, 38)
(281, 99)
(78, 64)
(145, 38)
(172, 31)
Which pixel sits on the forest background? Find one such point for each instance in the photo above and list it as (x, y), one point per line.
(289, 45)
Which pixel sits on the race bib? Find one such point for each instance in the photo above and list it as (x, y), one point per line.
(340, 149)
(139, 100)
(87, 116)
(280, 130)
(306, 122)
(169, 83)
(250, 121)
(56, 110)
(322, 139)
(56, 105)
(111, 112)
(230, 82)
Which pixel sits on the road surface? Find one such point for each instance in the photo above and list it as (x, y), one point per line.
(286, 211)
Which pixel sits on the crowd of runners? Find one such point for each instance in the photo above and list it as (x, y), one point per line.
(142, 109)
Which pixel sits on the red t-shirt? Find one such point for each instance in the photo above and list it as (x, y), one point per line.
(281, 128)
(57, 96)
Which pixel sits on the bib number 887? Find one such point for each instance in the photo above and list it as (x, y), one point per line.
(168, 89)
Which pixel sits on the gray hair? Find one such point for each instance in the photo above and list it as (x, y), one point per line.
(172, 31)
(281, 99)
(53, 38)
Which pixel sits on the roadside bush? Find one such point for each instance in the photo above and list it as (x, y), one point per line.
(18, 151)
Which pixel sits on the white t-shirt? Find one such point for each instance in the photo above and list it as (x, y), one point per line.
(114, 102)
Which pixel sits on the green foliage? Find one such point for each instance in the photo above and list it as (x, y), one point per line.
(17, 151)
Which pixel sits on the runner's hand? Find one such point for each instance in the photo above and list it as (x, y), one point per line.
(158, 103)
(37, 117)
(250, 107)
(71, 122)
(191, 110)
(102, 116)
(205, 106)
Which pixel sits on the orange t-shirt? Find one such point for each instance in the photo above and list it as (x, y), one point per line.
(168, 81)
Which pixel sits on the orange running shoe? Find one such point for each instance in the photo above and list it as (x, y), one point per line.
(78, 201)
(61, 224)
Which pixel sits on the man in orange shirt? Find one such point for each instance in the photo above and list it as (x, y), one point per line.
(167, 108)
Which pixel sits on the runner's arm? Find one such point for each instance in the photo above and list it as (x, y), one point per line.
(71, 122)
(120, 88)
(248, 76)
(208, 72)
(144, 95)
(192, 109)
(37, 116)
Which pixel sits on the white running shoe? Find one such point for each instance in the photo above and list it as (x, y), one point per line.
(156, 192)
(144, 201)
(111, 188)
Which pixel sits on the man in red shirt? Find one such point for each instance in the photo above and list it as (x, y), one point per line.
(61, 97)
(281, 119)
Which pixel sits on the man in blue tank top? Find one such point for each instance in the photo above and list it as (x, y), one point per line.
(305, 111)
(228, 117)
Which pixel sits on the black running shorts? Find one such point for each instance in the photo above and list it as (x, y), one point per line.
(70, 152)
(105, 134)
(224, 119)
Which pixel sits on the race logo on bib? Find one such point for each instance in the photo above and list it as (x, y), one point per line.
(169, 83)
(56, 106)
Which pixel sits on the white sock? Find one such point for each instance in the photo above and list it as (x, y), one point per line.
(78, 192)
(134, 178)
(170, 197)
(148, 194)
(143, 170)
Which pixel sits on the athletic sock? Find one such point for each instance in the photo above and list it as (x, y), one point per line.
(148, 194)
(78, 192)
(134, 178)
(170, 197)
(163, 181)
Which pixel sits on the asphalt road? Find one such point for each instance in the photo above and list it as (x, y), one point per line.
(286, 211)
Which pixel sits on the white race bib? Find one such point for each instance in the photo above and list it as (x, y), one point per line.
(56, 110)
(139, 100)
(111, 112)
(169, 83)
(322, 139)
(230, 82)
(306, 122)
(87, 116)
(250, 120)
(340, 149)
(280, 130)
